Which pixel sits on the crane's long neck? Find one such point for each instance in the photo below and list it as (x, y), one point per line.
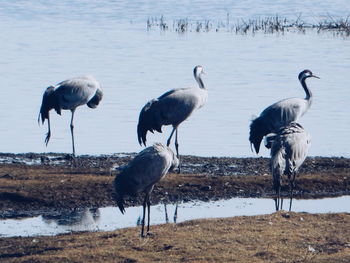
(200, 81)
(307, 91)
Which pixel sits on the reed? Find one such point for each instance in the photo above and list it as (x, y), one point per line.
(266, 25)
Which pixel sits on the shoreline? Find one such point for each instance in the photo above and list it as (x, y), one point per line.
(51, 184)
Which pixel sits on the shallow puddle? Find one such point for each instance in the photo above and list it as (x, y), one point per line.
(110, 218)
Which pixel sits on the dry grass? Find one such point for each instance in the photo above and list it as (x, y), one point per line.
(280, 237)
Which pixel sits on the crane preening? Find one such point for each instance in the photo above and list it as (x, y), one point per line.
(141, 174)
(68, 95)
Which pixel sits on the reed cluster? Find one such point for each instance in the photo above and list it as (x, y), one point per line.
(267, 25)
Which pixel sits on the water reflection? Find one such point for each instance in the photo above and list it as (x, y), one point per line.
(87, 216)
(109, 218)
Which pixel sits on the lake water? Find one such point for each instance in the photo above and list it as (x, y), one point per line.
(45, 42)
(110, 218)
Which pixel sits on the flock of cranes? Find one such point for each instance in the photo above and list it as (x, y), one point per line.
(278, 123)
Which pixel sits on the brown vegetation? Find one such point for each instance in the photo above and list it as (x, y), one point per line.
(280, 237)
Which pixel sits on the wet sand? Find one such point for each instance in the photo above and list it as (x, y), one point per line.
(33, 184)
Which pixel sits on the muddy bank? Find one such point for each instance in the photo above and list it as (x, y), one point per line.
(34, 183)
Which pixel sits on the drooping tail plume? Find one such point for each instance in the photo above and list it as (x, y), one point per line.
(47, 104)
(118, 192)
(148, 121)
(258, 129)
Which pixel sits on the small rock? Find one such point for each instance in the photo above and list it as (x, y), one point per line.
(286, 215)
(311, 249)
(7, 176)
(205, 188)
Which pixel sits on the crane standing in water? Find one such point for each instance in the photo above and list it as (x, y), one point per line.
(141, 174)
(289, 148)
(172, 108)
(281, 113)
(68, 95)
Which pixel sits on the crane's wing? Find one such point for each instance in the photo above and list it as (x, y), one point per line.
(77, 91)
(274, 117)
(147, 168)
(172, 107)
(297, 145)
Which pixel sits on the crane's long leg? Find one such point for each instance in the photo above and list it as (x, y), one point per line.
(166, 214)
(177, 146)
(177, 151)
(175, 213)
(278, 200)
(291, 186)
(143, 216)
(48, 135)
(72, 132)
(148, 214)
(171, 135)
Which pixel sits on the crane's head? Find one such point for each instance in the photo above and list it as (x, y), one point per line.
(306, 74)
(197, 71)
(95, 100)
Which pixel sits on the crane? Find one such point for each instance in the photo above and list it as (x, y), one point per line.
(281, 113)
(289, 148)
(141, 174)
(68, 95)
(172, 108)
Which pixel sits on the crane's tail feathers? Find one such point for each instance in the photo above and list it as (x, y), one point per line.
(148, 121)
(49, 102)
(258, 129)
(278, 165)
(95, 100)
(120, 204)
(141, 134)
(39, 118)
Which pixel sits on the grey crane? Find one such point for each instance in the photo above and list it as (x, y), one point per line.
(281, 113)
(141, 174)
(289, 147)
(172, 108)
(68, 95)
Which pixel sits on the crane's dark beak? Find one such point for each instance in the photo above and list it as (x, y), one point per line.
(315, 76)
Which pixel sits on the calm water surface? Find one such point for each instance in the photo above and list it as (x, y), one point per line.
(110, 218)
(45, 42)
